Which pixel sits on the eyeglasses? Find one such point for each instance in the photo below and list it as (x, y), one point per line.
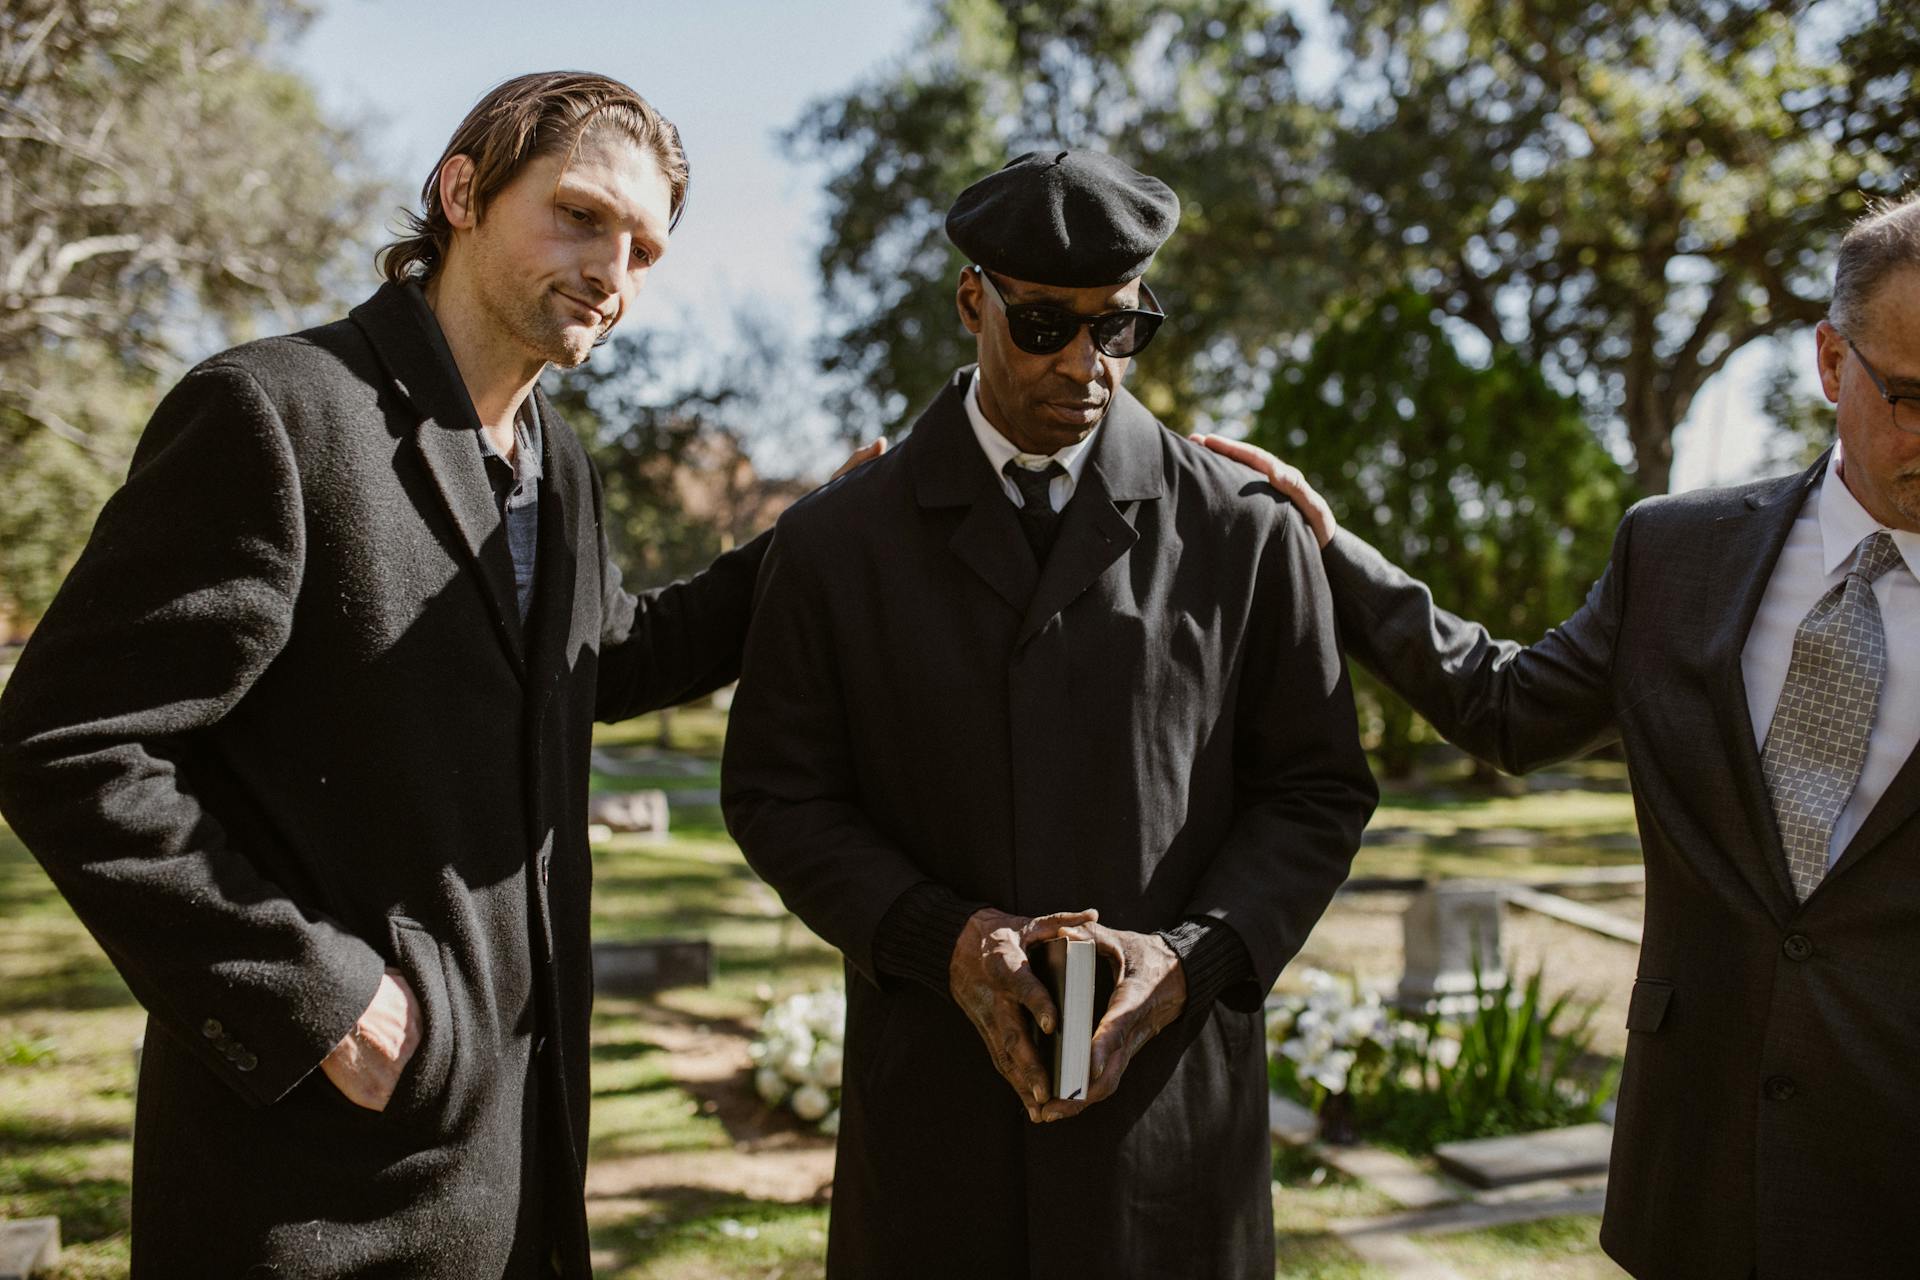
(1040, 328)
(1906, 408)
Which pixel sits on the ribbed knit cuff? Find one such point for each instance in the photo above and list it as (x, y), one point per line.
(1215, 962)
(916, 936)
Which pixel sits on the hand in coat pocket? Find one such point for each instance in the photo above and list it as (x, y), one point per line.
(366, 1064)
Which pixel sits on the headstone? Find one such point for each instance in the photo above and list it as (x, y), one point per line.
(642, 811)
(1528, 1157)
(1444, 929)
(1291, 1123)
(28, 1247)
(642, 968)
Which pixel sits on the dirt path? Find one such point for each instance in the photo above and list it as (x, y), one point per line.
(772, 1157)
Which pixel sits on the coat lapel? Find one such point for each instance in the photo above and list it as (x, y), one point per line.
(563, 484)
(410, 347)
(950, 471)
(1094, 532)
(1749, 542)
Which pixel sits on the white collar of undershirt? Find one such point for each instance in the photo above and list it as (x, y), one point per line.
(1000, 450)
(1844, 523)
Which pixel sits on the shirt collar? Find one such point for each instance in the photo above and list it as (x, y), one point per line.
(1000, 450)
(527, 441)
(1844, 523)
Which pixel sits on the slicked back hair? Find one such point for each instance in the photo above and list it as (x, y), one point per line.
(518, 121)
(1886, 239)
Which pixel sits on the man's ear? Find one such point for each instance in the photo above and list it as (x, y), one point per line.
(455, 181)
(967, 300)
(1830, 350)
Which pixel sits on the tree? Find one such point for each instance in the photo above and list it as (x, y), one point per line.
(669, 422)
(1484, 482)
(163, 186)
(1621, 194)
(1198, 92)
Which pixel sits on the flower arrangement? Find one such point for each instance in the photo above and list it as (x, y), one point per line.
(1512, 1062)
(799, 1053)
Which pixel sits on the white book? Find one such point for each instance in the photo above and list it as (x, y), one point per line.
(1070, 974)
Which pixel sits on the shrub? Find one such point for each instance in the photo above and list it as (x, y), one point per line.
(1512, 1063)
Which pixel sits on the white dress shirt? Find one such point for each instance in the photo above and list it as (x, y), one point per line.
(1000, 451)
(1831, 524)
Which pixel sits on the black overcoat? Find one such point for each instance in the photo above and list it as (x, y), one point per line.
(1158, 725)
(283, 728)
(1767, 1121)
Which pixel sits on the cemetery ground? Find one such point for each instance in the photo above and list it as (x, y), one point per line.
(691, 1176)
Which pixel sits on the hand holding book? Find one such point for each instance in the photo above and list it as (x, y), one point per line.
(995, 986)
(1149, 991)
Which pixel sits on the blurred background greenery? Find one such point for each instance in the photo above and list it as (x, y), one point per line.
(1470, 265)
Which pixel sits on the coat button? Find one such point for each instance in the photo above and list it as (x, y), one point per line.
(244, 1061)
(1780, 1088)
(1798, 947)
(211, 1028)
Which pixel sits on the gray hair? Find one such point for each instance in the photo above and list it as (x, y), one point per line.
(1886, 239)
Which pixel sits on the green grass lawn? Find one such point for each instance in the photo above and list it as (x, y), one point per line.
(67, 1027)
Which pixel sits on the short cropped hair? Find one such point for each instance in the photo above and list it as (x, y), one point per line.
(519, 121)
(1886, 239)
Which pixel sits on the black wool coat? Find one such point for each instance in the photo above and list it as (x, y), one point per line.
(1767, 1122)
(282, 729)
(1157, 725)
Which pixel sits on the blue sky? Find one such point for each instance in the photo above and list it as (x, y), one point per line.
(732, 74)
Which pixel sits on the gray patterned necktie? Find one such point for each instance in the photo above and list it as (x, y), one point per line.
(1818, 740)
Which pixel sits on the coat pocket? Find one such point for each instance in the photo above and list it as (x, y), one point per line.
(1648, 1007)
(420, 1096)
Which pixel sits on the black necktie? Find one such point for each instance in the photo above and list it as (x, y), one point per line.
(1038, 519)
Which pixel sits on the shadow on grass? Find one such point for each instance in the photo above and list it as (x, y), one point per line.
(731, 1234)
(23, 1135)
(88, 1208)
(78, 985)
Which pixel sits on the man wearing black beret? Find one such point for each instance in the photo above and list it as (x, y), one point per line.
(1048, 669)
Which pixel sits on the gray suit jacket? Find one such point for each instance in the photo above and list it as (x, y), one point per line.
(1767, 1115)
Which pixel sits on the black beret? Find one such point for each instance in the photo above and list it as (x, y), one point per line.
(1073, 219)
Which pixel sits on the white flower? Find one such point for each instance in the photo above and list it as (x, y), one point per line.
(831, 1125)
(1446, 1051)
(1330, 1073)
(797, 1063)
(828, 1062)
(810, 1102)
(768, 1084)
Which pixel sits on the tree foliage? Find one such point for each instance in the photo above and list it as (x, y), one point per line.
(1624, 194)
(1621, 194)
(1198, 92)
(668, 422)
(164, 185)
(1483, 482)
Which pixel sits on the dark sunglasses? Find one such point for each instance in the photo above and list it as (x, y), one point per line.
(1040, 328)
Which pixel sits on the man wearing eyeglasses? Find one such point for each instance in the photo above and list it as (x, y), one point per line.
(1756, 651)
(1047, 669)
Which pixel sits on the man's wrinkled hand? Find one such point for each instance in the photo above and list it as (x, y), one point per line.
(996, 988)
(1286, 479)
(865, 453)
(366, 1064)
(1150, 990)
